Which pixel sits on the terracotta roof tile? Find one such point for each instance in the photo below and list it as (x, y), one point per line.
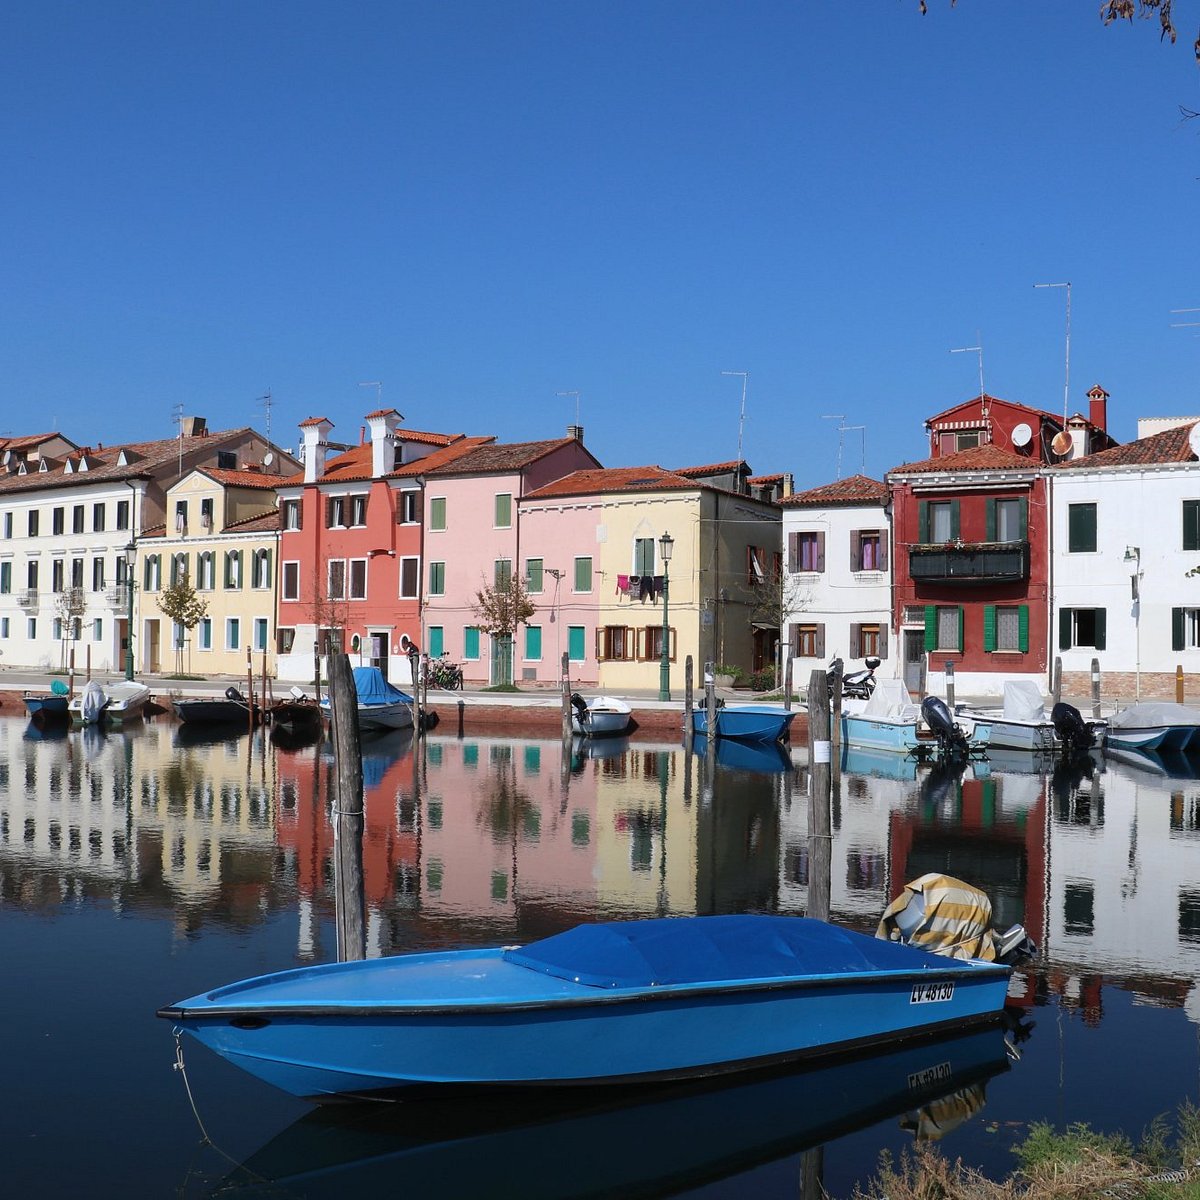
(615, 479)
(721, 468)
(500, 456)
(988, 457)
(354, 466)
(857, 489)
(250, 479)
(1170, 446)
(267, 522)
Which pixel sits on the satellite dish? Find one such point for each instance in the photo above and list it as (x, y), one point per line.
(1194, 439)
(1061, 443)
(1022, 435)
(268, 459)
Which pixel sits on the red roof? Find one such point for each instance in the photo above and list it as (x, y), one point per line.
(987, 457)
(250, 479)
(1170, 446)
(354, 465)
(712, 468)
(501, 456)
(857, 489)
(615, 479)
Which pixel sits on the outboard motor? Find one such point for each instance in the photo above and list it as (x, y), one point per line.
(951, 740)
(1074, 733)
(231, 693)
(579, 704)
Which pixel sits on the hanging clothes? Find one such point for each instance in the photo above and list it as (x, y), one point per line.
(623, 585)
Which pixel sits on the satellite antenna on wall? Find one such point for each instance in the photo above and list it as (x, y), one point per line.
(1194, 439)
(1061, 444)
(268, 459)
(1022, 435)
(742, 418)
(1067, 382)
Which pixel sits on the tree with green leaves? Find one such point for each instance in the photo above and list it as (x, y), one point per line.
(186, 608)
(499, 608)
(69, 607)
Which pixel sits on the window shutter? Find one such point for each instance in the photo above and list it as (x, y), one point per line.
(989, 610)
(930, 626)
(923, 521)
(1023, 628)
(883, 641)
(990, 534)
(599, 644)
(1191, 525)
(630, 635)
(883, 551)
(855, 559)
(820, 565)
(1101, 631)
(954, 513)
(793, 552)
(820, 639)
(1177, 629)
(1023, 519)
(855, 641)
(1064, 628)
(961, 624)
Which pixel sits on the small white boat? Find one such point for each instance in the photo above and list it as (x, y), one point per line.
(889, 720)
(601, 716)
(1155, 725)
(1023, 723)
(112, 702)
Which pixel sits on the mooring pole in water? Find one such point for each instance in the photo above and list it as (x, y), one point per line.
(565, 676)
(689, 699)
(317, 669)
(950, 686)
(835, 720)
(1056, 687)
(820, 844)
(347, 810)
(787, 684)
(1096, 688)
(710, 720)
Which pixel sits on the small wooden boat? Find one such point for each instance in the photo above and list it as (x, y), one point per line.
(1155, 725)
(601, 716)
(379, 705)
(115, 703)
(49, 706)
(745, 722)
(231, 709)
(611, 1003)
(297, 712)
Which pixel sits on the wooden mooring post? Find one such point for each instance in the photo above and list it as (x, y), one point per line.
(565, 676)
(688, 698)
(347, 811)
(820, 838)
(1096, 687)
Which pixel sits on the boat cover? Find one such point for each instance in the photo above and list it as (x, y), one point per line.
(93, 702)
(373, 688)
(942, 915)
(1023, 700)
(1149, 714)
(678, 950)
(890, 699)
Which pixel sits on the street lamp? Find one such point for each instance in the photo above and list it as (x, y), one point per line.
(130, 559)
(666, 544)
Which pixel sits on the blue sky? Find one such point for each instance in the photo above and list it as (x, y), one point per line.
(482, 205)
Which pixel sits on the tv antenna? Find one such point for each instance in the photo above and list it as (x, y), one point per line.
(1185, 324)
(268, 402)
(177, 417)
(378, 386)
(742, 418)
(576, 395)
(1067, 383)
(843, 429)
(976, 350)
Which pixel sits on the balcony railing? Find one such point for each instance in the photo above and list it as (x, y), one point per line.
(28, 598)
(969, 562)
(117, 596)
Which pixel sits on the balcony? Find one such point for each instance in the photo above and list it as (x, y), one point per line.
(117, 596)
(969, 562)
(28, 598)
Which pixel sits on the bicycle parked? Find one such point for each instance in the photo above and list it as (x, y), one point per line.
(445, 674)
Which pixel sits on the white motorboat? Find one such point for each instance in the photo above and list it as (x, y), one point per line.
(117, 702)
(889, 720)
(1023, 723)
(601, 716)
(1155, 725)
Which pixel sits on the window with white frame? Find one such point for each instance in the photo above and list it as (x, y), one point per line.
(178, 635)
(206, 512)
(204, 633)
(31, 627)
(97, 574)
(408, 508)
(358, 510)
(806, 551)
(643, 556)
(358, 578)
(868, 550)
(260, 568)
(3, 627)
(233, 633)
(583, 574)
(291, 581)
(336, 589)
(153, 573)
(97, 629)
(437, 578)
(336, 512)
(1082, 628)
(503, 510)
(233, 570)
(437, 513)
(206, 571)
(502, 572)
(285, 639)
(616, 643)
(533, 575)
(410, 577)
(291, 514)
(260, 633)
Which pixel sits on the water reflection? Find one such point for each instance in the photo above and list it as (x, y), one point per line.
(472, 840)
(644, 1143)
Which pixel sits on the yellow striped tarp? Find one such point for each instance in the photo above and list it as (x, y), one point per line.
(953, 918)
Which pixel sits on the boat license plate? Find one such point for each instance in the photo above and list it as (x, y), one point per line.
(930, 993)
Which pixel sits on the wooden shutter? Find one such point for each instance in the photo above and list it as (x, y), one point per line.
(600, 643)
(1177, 629)
(793, 552)
(820, 563)
(1101, 630)
(930, 626)
(883, 640)
(883, 552)
(989, 610)
(990, 531)
(855, 559)
(954, 518)
(1023, 519)
(1064, 628)
(961, 621)
(855, 641)
(923, 521)
(820, 640)
(1191, 525)
(1023, 628)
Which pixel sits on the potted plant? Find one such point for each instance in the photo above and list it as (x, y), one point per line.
(726, 676)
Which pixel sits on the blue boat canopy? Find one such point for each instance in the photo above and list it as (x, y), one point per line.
(373, 688)
(671, 950)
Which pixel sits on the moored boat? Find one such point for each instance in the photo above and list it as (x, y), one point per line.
(601, 716)
(116, 703)
(297, 711)
(48, 706)
(1155, 725)
(232, 708)
(610, 1003)
(379, 704)
(1022, 723)
(745, 722)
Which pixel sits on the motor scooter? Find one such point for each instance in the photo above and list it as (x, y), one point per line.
(857, 685)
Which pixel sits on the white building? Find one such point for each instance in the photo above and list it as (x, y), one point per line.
(837, 585)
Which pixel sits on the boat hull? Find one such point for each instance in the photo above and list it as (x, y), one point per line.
(879, 733)
(213, 712)
(124, 702)
(474, 1019)
(603, 717)
(745, 723)
(46, 707)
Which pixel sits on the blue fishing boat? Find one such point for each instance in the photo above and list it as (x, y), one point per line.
(378, 703)
(609, 1003)
(47, 706)
(745, 722)
(1155, 725)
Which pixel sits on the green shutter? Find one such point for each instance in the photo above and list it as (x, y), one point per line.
(954, 519)
(471, 642)
(533, 642)
(990, 531)
(1081, 528)
(576, 650)
(1191, 524)
(923, 522)
(1064, 628)
(989, 612)
(1177, 628)
(1101, 622)
(961, 621)
(930, 625)
(437, 641)
(1023, 628)
(1023, 526)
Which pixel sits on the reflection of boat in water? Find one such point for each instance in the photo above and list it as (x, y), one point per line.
(585, 748)
(635, 1143)
(205, 733)
(290, 738)
(1162, 762)
(762, 758)
(883, 764)
(380, 749)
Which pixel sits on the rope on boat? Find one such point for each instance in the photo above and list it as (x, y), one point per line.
(181, 1067)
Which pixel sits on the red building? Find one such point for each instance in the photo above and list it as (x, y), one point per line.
(971, 541)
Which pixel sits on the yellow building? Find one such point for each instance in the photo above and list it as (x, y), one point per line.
(222, 534)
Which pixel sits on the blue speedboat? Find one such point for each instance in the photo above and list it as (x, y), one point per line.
(610, 1003)
(745, 722)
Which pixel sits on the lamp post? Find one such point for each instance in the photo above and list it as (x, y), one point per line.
(130, 559)
(666, 544)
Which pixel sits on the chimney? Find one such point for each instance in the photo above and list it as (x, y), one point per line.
(383, 440)
(789, 485)
(315, 434)
(575, 432)
(193, 426)
(1098, 408)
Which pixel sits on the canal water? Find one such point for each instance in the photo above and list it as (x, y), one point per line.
(141, 867)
